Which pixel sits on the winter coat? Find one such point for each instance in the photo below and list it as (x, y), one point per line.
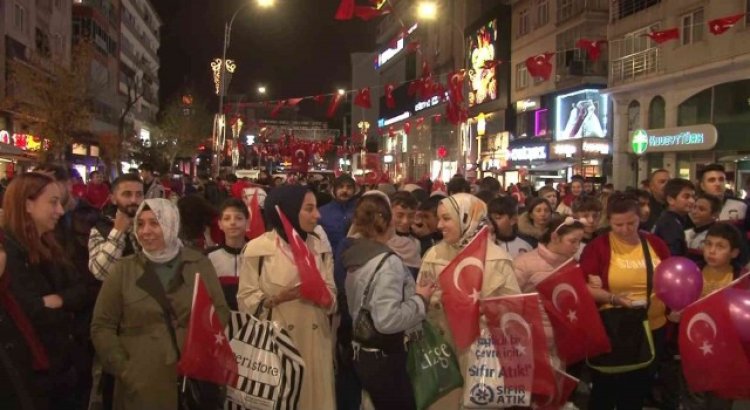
(17, 387)
(307, 323)
(153, 190)
(335, 218)
(129, 332)
(527, 228)
(498, 280)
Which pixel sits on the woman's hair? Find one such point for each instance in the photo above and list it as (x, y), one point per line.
(562, 226)
(622, 203)
(533, 202)
(196, 214)
(372, 217)
(733, 235)
(18, 222)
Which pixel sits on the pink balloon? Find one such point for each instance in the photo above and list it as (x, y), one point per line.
(678, 282)
(739, 310)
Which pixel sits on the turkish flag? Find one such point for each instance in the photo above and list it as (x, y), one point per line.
(312, 286)
(455, 113)
(407, 127)
(461, 282)
(277, 109)
(577, 326)
(515, 323)
(300, 158)
(663, 36)
(334, 105)
(593, 47)
(565, 384)
(292, 102)
(540, 65)
(345, 10)
(368, 13)
(256, 227)
(206, 354)
(721, 25)
(713, 356)
(426, 71)
(413, 46)
(455, 86)
(390, 102)
(362, 98)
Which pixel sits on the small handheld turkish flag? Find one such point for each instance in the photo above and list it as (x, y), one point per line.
(206, 354)
(566, 384)
(461, 283)
(312, 286)
(662, 36)
(721, 25)
(515, 323)
(256, 227)
(540, 65)
(577, 326)
(713, 356)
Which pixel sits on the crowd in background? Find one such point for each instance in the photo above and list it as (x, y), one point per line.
(90, 271)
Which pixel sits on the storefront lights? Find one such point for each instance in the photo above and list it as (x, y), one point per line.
(481, 124)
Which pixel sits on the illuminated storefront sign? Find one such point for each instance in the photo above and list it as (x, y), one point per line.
(427, 103)
(690, 138)
(527, 104)
(531, 153)
(483, 73)
(564, 150)
(384, 122)
(581, 114)
(25, 142)
(389, 53)
(601, 148)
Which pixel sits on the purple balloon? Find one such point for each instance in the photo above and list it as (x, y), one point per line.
(678, 282)
(739, 310)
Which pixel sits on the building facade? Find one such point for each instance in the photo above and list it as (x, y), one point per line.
(684, 103)
(561, 125)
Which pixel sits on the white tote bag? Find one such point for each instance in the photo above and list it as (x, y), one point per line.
(269, 365)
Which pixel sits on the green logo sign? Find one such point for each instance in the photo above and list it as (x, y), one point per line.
(640, 141)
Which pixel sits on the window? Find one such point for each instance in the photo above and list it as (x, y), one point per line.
(19, 17)
(524, 23)
(522, 76)
(656, 112)
(542, 13)
(634, 115)
(564, 9)
(692, 27)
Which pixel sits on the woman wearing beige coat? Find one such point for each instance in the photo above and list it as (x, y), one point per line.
(276, 288)
(460, 217)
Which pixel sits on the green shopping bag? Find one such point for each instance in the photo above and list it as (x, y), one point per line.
(432, 366)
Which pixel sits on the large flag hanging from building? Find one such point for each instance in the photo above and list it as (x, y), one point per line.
(206, 354)
(312, 286)
(461, 283)
(578, 328)
(662, 36)
(540, 65)
(721, 25)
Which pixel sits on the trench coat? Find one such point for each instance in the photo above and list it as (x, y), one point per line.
(131, 337)
(498, 280)
(308, 324)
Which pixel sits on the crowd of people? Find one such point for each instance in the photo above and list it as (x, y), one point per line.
(96, 281)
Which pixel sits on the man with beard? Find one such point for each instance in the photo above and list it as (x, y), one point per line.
(336, 216)
(112, 237)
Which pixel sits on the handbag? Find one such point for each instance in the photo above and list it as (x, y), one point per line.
(432, 366)
(364, 331)
(629, 333)
(192, 394)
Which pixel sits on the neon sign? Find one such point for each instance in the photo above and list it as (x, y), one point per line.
(528, 153)
(691, 138)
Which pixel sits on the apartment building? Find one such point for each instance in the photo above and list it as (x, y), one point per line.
(139, 64)
(561, 124)
(685, 102)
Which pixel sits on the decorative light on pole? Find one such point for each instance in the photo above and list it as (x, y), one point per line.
(427, 10)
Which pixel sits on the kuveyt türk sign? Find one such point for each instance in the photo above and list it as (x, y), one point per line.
(691, 138)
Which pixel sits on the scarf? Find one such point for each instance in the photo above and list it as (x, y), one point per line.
(289, 198)
(169, 219)
(471, 214)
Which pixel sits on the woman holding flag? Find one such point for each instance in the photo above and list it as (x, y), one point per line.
(461, 218)
(289, 272)
(128, 328)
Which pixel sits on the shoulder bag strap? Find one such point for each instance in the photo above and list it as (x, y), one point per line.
(366, 299)
(649, 272)
(161, 297)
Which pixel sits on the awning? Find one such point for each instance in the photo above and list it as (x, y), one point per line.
(9, 151)
(551, 166)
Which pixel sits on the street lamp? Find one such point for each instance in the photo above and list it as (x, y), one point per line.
(223, 86)
(342, 91)
(427, 10)
(262, 90)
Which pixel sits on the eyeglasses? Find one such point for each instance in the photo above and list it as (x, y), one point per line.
(569, 220)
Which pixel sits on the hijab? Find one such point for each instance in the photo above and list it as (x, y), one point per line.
(169, 219)
(289, 198)
(471, 214)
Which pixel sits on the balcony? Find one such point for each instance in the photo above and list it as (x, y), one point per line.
(568, 9)
(634, 66)
(624, 8)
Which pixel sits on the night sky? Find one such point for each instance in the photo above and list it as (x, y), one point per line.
(294, 49)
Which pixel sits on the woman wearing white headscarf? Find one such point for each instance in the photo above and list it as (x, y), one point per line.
(460, 218)
(128, 328)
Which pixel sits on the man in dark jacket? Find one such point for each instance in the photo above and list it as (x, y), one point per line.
(657, 203)
(336, 216)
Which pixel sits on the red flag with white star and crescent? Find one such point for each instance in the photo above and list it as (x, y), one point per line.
(721, 25)
(578, 329)
(461, 283)
(206, 354)
(312, 285)
(257, 226)
(714, 358)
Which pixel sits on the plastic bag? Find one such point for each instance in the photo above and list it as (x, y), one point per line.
(432, 367)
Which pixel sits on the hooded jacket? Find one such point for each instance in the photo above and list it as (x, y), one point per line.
(527, 228)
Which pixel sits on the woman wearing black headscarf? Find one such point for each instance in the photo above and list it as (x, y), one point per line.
(269, 277)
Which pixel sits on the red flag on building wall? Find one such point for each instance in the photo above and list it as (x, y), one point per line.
(312, 286)
(540, 65)
(362, 99)
(461, 283)
(206, 354)
(721, 25)
(593, 47)
(390, 102)
(662, 36)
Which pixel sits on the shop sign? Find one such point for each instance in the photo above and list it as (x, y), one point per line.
(564, 150)
(526, 153)
(422, 105)
(691, 138)
(388, 159)
(384, 122)
(79, 149)
(389, 53)
(25, 142)
(528, 104)
(600, 148)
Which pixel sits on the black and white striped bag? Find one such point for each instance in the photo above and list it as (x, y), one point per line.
(269, 365)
